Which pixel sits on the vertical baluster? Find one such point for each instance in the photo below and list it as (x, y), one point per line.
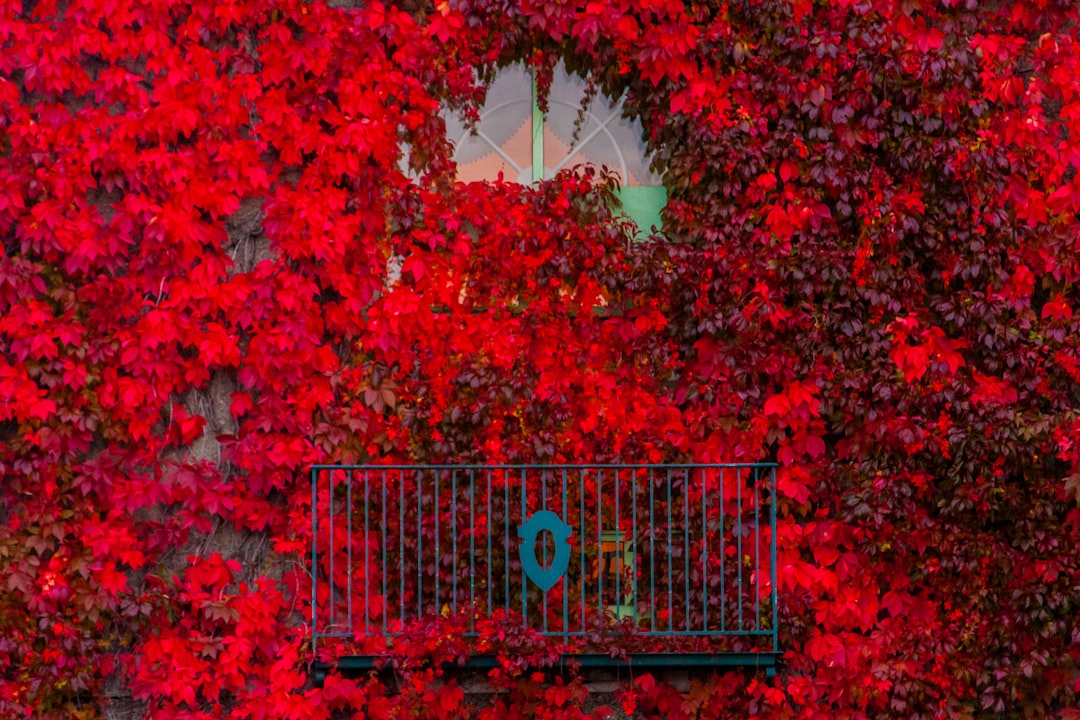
(453, 539)
(506, 537)
(618, 560)
(472, 550)
(401, 540)
(738, 540)
(367, 555)
(330, 546)
(652, 552)
(543, 506)
(686, 542)
(583, 571)
(566, 577)
(386, 598)
(599, 544)
(633, 570)
(419, 544)
(487, 477)
(438, 510)
(314, 557)
(772, 549)
(348, 551)
(524, 581)
(487, 528)
(349, 538)
(670, 561)
(704, 552)
(723, 557)
(757, 553)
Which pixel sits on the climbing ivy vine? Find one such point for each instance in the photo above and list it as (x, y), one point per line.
(233, 246)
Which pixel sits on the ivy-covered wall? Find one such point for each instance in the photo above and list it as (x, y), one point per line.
(869, 273)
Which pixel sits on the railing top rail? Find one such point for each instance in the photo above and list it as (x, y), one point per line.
(548, 466)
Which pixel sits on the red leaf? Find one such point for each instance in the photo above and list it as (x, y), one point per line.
(912, 360)
(777, 405)
(111, 581)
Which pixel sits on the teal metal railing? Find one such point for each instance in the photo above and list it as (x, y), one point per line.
(570, 551)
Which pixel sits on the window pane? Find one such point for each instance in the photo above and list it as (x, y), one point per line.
(502, 143)
(604, 138)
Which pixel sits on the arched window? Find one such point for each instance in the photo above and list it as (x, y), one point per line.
(516, 139)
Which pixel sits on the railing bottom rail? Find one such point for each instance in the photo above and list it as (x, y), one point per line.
(358, 664)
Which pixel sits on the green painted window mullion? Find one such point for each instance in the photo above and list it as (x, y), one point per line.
(537, 135)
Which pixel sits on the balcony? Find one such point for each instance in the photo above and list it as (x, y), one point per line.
(647, 565)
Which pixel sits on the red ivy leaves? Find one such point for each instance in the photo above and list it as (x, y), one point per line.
(914, 349)
(870, 276)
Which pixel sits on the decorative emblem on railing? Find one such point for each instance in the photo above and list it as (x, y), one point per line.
(537, 523)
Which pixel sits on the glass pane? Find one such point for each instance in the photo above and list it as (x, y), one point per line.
(604, 138)
(502, 142)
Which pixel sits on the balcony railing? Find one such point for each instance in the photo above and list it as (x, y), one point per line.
(675, 562)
